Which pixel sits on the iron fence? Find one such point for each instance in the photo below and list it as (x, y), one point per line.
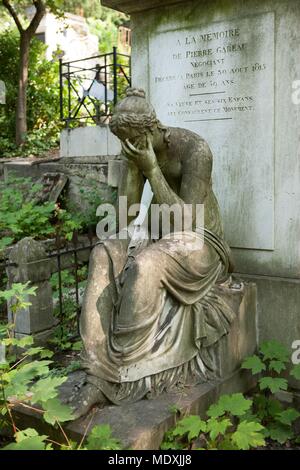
(61, 259)
(70, 259)
(91, 87)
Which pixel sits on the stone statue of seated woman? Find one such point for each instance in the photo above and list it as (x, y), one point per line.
(153, 309)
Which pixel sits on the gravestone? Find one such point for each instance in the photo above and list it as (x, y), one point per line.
(228, 70)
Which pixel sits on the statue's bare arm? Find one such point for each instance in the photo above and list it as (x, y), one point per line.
(195, 180)
(131, 183)
(195, 176)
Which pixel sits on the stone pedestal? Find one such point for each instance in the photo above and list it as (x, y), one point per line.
(31, 264)
(228, 70)
(141, 425)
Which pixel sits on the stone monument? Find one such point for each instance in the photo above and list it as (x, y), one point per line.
(228, 70)
(158, 306)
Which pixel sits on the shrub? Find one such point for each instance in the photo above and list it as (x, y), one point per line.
(42, 98)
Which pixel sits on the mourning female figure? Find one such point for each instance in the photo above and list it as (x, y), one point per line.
(153, 308)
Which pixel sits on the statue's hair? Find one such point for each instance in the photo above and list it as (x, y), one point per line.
(143, 121)
(136, 92)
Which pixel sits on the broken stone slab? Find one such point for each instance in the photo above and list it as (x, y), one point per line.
(52, 185)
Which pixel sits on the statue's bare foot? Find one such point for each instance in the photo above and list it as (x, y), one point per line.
(80, 394)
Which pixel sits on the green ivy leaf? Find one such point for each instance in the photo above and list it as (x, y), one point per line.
(277, 366)
(28, 439)
(280, 433)
(170, 442)
(295, 372)
(56, 411)
(255, 364)
(77, 346)
(191, 425)
(217, 427)
(101, 438)
(247, 435)
(216, 410)
(21, 343)
(287, 416)
(42, 352)
(274, 350)
(274, 384)
(20, 378)
(45, 389)
(227, 444)
(235, 404)
(274, 407)
(174, 445)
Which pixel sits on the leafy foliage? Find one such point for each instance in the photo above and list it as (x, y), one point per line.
(33, 385)
(235, 422)
(101, 438)
(18, 294)
(191, 426)
(43, 83)
(28, 439)
(43, 98)
(274, 384)
(248, 435)
(222, 429)
(274, 350)
(271, 361)
(255, 364)
(235, 404)
(21, 214)
(295, 372)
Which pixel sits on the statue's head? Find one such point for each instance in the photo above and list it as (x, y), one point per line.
(134, 117)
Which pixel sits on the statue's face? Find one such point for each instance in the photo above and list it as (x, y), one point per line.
(130, 133)
(137, 135)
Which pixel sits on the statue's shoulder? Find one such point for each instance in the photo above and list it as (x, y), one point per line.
(191, 140)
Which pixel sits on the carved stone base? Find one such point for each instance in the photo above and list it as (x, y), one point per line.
(141, 425)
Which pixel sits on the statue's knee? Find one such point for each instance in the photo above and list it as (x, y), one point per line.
(98, 255)
(145, 262)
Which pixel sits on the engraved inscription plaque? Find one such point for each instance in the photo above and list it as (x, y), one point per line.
(218, 81)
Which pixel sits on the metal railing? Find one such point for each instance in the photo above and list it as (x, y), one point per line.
(62, 260)
(91, 87)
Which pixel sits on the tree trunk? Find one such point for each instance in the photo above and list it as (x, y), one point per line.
(21, 118)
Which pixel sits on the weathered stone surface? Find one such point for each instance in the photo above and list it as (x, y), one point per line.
(232, 87)
(278, 311)
(85, 175)
(164, 330)
(52, 184)
(39, 338)
(31, 259)
(132, 6)
(31, 264)
(23, 168)
(269, 252)
(88, 141)
(242, 338)
(283, 259)
(142, 425)
(114, 172)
